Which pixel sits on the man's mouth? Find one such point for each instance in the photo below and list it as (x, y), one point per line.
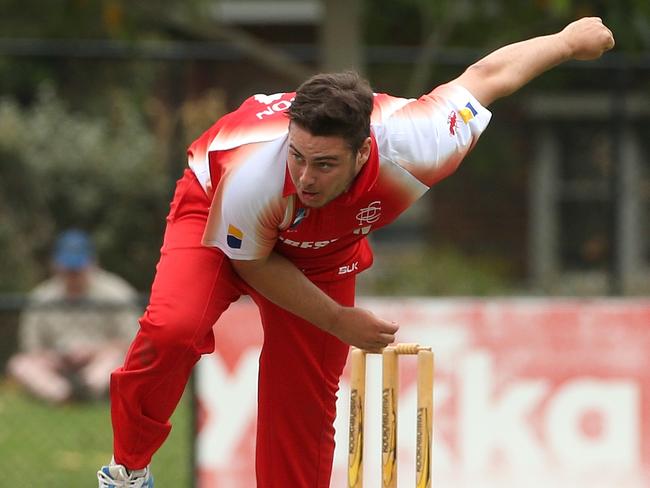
(308, 195)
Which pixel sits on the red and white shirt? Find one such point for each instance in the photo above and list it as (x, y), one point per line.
(241, 163)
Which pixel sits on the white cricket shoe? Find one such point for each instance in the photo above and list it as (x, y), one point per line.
(117, 476)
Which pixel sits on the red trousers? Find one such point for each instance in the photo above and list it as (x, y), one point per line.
(300, 365)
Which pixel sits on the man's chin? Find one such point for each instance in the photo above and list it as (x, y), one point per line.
(311, 200)
(311, 203)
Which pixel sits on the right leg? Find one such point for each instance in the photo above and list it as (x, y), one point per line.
(193, 286)
(300, 367)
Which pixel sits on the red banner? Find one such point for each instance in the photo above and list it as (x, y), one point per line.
(528, 392)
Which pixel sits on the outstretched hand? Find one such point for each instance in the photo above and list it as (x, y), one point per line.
(588, 38)
(363, 329)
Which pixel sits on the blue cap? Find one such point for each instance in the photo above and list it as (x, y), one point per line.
(73, 250)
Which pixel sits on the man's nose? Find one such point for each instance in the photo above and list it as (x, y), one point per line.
(308, 176)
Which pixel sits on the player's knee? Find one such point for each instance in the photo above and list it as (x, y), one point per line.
(174, 334)
(23, 367)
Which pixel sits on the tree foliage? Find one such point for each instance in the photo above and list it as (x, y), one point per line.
(94, 143)
(486, 24)
(61, 169)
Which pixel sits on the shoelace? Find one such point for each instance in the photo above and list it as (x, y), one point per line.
(108, 482)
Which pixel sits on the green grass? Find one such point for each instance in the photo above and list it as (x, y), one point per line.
(45, 446)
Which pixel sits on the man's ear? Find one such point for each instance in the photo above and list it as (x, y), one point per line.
(363, 154)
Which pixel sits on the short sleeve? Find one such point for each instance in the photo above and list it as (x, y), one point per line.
(430, 136)
(248, 208)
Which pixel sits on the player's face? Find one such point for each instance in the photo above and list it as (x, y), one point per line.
(322, 167)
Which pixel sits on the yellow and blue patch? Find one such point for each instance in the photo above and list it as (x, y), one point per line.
(235, 237)
(467, 113)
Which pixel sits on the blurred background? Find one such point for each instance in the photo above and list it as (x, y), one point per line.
(100, 98)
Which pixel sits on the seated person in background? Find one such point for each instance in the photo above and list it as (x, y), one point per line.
(76, 327)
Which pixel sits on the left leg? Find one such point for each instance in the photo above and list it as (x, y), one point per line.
(300, 366)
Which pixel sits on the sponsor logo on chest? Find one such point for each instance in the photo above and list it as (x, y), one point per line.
(365, 217)
(307, 244)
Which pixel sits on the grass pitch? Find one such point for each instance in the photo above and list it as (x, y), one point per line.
(41, 445)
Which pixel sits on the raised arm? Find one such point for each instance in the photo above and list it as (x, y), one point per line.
(509, 68)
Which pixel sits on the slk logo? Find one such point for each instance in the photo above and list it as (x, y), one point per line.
(370, 214)
(349, 269)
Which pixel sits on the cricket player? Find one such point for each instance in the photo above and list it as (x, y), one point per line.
(277, 203)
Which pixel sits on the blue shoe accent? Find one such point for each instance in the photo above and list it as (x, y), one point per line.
(117, 476)
(107, 472)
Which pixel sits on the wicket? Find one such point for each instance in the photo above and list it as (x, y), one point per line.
(390, 380)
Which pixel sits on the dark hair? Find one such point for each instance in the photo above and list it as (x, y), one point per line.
(334, 104)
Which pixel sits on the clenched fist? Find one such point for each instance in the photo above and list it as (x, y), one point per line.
(588, 38)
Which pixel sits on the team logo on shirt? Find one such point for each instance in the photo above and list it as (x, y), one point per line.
(452, 120)
(467, 113)
(234, 237)
(370, 214)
